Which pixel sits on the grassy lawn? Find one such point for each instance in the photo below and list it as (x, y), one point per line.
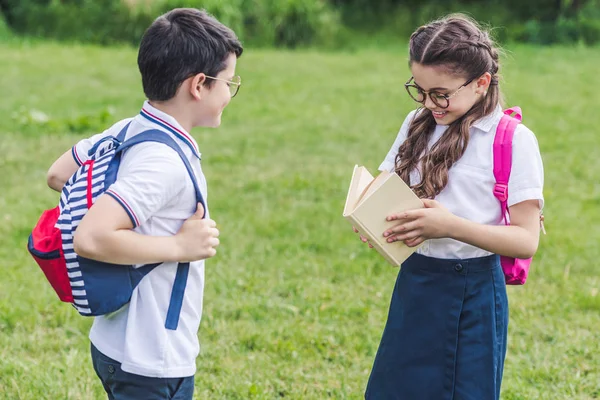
(294, 304)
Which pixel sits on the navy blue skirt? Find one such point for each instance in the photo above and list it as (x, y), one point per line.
(445, 337)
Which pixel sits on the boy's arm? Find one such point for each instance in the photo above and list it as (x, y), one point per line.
(151, 177)
(60, 172)
(67, 164)
(105, 234)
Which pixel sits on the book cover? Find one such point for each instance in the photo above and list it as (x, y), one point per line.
(370, 200)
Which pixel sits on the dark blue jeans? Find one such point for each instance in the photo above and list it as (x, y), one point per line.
(121, 385)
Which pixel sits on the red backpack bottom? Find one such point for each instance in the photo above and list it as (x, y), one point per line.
(45, 245)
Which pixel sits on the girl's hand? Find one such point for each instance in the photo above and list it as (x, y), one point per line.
(362, 238)
(416, 226)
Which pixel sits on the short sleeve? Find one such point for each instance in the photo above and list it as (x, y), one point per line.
(389, 163)
(150, 176)
(81, 149)
(527, 174)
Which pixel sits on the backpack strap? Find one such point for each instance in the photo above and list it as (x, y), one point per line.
(503, 156)
(121, 135)
(116, 139)
(155, 135)
(515, 110)
(178, 290)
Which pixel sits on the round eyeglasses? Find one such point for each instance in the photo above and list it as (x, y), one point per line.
(234, 84)
(441, 100)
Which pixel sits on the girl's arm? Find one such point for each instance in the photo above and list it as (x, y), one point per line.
(60, 172)
(519, 240)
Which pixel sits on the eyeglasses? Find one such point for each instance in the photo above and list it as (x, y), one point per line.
(234, 84)
(441, 100)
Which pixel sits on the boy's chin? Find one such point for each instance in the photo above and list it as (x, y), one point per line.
(215, 123)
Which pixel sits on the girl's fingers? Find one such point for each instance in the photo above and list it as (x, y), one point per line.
(402, 228)
(410, 214)
(414, 242)
(405, 236)
(428, 203)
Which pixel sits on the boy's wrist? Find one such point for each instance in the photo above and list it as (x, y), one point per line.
(175, 252)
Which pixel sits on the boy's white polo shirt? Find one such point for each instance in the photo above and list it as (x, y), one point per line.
(154, 188)
(469, 192)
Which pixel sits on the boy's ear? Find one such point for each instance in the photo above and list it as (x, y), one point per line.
(196, 85)
(483, 83)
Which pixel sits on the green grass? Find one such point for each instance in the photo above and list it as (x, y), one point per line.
(294, 304)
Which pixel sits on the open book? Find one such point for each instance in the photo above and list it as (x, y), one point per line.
(370, 200)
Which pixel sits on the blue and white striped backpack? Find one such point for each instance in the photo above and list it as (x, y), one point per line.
(94, 287)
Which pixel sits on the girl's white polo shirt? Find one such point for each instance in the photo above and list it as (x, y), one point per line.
(469, 193)
(154, 188)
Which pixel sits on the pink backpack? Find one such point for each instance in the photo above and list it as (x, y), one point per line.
(515, 269)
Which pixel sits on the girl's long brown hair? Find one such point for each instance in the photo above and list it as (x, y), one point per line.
(461, 47)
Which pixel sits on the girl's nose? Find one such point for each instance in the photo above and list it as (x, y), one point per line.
(429, 103)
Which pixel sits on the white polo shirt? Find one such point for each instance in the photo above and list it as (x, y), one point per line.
(154, 187)
(469, 193)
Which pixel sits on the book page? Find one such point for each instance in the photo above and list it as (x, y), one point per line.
(361, 178)
(373, 186)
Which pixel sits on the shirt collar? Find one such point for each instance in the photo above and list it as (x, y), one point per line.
(486, 123)
(167, 122)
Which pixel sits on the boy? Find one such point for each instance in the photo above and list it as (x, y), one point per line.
(187, 60)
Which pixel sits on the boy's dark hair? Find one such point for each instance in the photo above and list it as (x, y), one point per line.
(180, 44)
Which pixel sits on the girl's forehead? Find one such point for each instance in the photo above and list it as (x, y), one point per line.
(434, 77)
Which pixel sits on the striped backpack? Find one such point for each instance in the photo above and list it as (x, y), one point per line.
(94, 287)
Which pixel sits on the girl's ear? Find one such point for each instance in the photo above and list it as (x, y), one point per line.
(196, 85)
(483, 82)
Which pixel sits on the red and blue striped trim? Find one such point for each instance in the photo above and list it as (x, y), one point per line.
(185, 137)
(76, 156)
(127, 207)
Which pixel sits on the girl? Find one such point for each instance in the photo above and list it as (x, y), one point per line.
(445, 337)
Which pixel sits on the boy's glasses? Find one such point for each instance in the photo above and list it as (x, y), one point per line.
(234, 84)
(441, 100)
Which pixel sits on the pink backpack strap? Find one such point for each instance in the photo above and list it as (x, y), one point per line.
(503, 156)
(515, 110)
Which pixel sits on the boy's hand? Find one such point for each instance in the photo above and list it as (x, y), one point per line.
(198, 238)
(362, 238)
(416, 226)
